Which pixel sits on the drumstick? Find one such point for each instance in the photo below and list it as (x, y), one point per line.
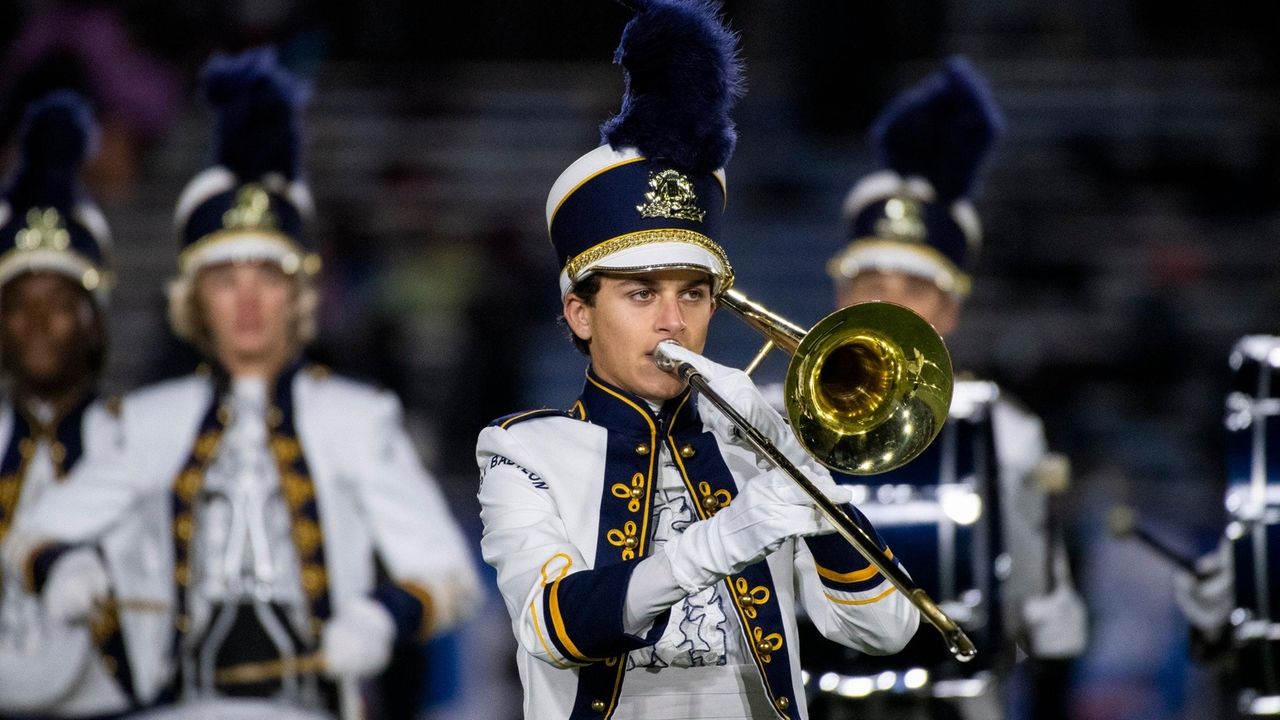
(130, 605)
(264, 670)
(1124, 524)
(102, 607)
(1052, 476)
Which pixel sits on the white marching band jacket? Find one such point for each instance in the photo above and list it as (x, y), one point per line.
(48, 668)
(567, 503)
(356, 490)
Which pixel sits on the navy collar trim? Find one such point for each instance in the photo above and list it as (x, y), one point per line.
(610, 406)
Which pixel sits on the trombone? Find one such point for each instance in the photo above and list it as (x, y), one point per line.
(867, 389)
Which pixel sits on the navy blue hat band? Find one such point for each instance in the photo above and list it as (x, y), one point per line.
(47, 238)
(907, 220)
(632, 198)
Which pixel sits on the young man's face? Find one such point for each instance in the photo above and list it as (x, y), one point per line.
(941, 309)
(248, 309)
(46, 328)
(631, 315)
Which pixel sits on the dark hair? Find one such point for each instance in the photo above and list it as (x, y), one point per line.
(586, 290)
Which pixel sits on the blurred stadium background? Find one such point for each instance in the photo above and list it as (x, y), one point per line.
(1132, 217)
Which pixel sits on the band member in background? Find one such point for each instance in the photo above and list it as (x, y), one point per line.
(298, 535)
(912, 235)
(650, 567)
(55, 660)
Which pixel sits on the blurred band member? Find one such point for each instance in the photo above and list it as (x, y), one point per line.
(912, 236)
(56, 660)
(299, 537)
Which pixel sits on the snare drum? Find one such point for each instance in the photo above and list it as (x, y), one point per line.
(1253, 529)
(938, 514)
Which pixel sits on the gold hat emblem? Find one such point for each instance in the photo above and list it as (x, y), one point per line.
(44, 231)
(251, 210)
(903, 221)
(671, 196)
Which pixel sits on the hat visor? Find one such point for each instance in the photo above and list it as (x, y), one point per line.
(653, 257)
(70, 264)
(916, 260)
(242, 247)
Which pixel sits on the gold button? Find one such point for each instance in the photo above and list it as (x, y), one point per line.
(687, 451)
(710, 503)
(637, 492)
(782, 702)
(764, 647)
(597, 705)
(183, 623)
(746, 600)
(274, 417)
(642, 449)
(57, 452)
(631, 542)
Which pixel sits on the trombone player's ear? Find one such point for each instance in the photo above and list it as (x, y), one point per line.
(577, 315)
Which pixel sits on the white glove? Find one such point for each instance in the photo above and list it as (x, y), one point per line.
(770, 509)
(77, 583)
(1056, 623)
(737, 388)
(1207, 600)
(356, 643)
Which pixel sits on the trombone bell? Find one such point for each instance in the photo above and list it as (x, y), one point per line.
(868, 387)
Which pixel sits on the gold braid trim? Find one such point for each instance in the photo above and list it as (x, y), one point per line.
(596, 253)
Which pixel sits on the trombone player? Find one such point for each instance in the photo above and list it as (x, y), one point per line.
(650, 567)
(912, 236)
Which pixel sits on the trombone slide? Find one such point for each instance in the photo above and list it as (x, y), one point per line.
(957, 642)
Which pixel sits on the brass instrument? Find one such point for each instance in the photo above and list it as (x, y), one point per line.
(868, 388)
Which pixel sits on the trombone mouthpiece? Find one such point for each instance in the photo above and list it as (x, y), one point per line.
(665, 362)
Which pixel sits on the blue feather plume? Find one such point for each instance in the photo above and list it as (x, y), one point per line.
(943, 129)
(258, 103)
(55, 136)
(683, 76)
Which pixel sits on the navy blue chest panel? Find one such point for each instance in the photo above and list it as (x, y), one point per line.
(66, 445)
(630, 474)
(625, 508)
(296, 485)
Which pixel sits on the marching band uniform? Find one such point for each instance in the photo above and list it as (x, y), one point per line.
(914, 218)
(49, 667)
(286, 527)
(587, 511)
(347, 488)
